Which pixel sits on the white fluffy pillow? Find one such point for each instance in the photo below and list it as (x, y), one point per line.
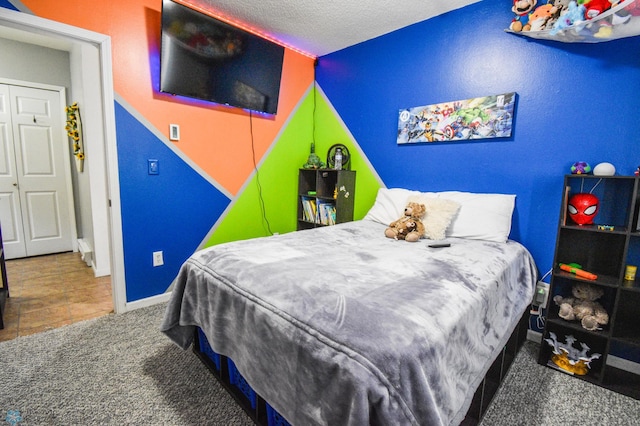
(481, 216)
(389, 205)
(439, 213)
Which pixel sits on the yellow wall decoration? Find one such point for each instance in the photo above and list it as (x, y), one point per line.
(74, 130)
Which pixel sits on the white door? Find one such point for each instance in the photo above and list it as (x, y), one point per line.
(34, 203)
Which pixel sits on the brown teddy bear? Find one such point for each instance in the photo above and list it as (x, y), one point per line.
(409, 227)
(583, 306)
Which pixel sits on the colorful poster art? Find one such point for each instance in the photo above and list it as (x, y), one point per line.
(477, 118)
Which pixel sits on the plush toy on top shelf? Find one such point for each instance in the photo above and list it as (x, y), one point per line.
(559, 8)
(545, 16)
(573, 15)
(594, 8)
(583, 306)
(409, 227)
(539, 18)
(522, 9)
(580, 168)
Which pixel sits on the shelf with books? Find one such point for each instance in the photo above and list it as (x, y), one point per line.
(325, 197)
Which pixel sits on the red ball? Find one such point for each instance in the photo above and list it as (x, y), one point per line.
(583, 208)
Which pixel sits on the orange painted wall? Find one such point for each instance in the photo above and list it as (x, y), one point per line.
(216, 138)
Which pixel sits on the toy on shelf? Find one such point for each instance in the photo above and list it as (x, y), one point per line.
(576, 269)
(630, 272)
(568, 358)
(540, 17)
(582, 208)
(576, 21)
(522, 9)
(313, 162)
(580, 168)
(574, 15)
(594, 8)
(583, 306)
(604, 169)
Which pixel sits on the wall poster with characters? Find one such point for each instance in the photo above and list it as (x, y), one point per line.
(476, 118)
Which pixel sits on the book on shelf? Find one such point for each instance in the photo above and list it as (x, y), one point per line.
(326, 213)
(309, 209)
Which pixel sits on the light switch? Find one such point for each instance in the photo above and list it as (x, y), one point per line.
(153, 167)
(174, 132)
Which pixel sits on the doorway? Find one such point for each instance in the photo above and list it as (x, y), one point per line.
(91, 66)
(36, 203)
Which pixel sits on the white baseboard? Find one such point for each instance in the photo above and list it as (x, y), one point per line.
(612, 360)
(149, 301)
(103, 272)
(534, 336)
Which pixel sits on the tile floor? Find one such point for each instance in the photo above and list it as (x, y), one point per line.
(51, 291)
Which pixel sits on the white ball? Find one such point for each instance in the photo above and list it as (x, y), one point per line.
(604, 169)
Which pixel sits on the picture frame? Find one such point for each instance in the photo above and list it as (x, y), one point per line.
(470, 119)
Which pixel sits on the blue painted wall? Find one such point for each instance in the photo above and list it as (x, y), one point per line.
(575, 102)
(7, 5)
(171, 211)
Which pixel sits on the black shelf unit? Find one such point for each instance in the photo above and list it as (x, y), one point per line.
(604, 251)
(335, 188)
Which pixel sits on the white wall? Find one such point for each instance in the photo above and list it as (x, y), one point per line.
(28, 62)
(37, 64)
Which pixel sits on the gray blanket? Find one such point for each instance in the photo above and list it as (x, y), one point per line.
(342, 326)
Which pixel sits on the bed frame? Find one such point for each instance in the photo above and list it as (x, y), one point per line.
(264, 415)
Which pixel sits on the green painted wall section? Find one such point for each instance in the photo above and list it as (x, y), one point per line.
(330, 130)
(277, 177)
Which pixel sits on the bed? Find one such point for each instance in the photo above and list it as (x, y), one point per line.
(339, 325)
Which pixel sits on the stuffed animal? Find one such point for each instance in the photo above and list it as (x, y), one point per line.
(409, 227)
(522, 9)
(583, 306)
(558, 8)
(572, 15)
(595, 8)
(539, 18)
(546, 15)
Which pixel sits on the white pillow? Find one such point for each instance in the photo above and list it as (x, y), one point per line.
(481, 216)
(389, 205)
(438, 216)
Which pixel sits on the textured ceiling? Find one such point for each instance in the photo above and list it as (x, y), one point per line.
(319, 27)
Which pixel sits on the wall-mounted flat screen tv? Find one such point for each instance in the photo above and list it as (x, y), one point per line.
(205, 58)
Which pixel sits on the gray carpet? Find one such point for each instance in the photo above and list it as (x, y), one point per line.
(533, 394)
(121, 370)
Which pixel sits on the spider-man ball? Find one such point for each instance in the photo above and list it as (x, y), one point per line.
(583, 208)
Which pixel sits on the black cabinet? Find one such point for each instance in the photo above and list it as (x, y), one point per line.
(603, 248)
(325, 197)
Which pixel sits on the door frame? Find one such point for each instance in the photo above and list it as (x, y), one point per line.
(66, 158)
(106, 185)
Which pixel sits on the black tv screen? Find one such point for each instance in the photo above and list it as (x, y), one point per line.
(205, 58)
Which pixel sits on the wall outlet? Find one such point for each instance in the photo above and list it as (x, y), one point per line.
(542, 294)
(157, 258)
